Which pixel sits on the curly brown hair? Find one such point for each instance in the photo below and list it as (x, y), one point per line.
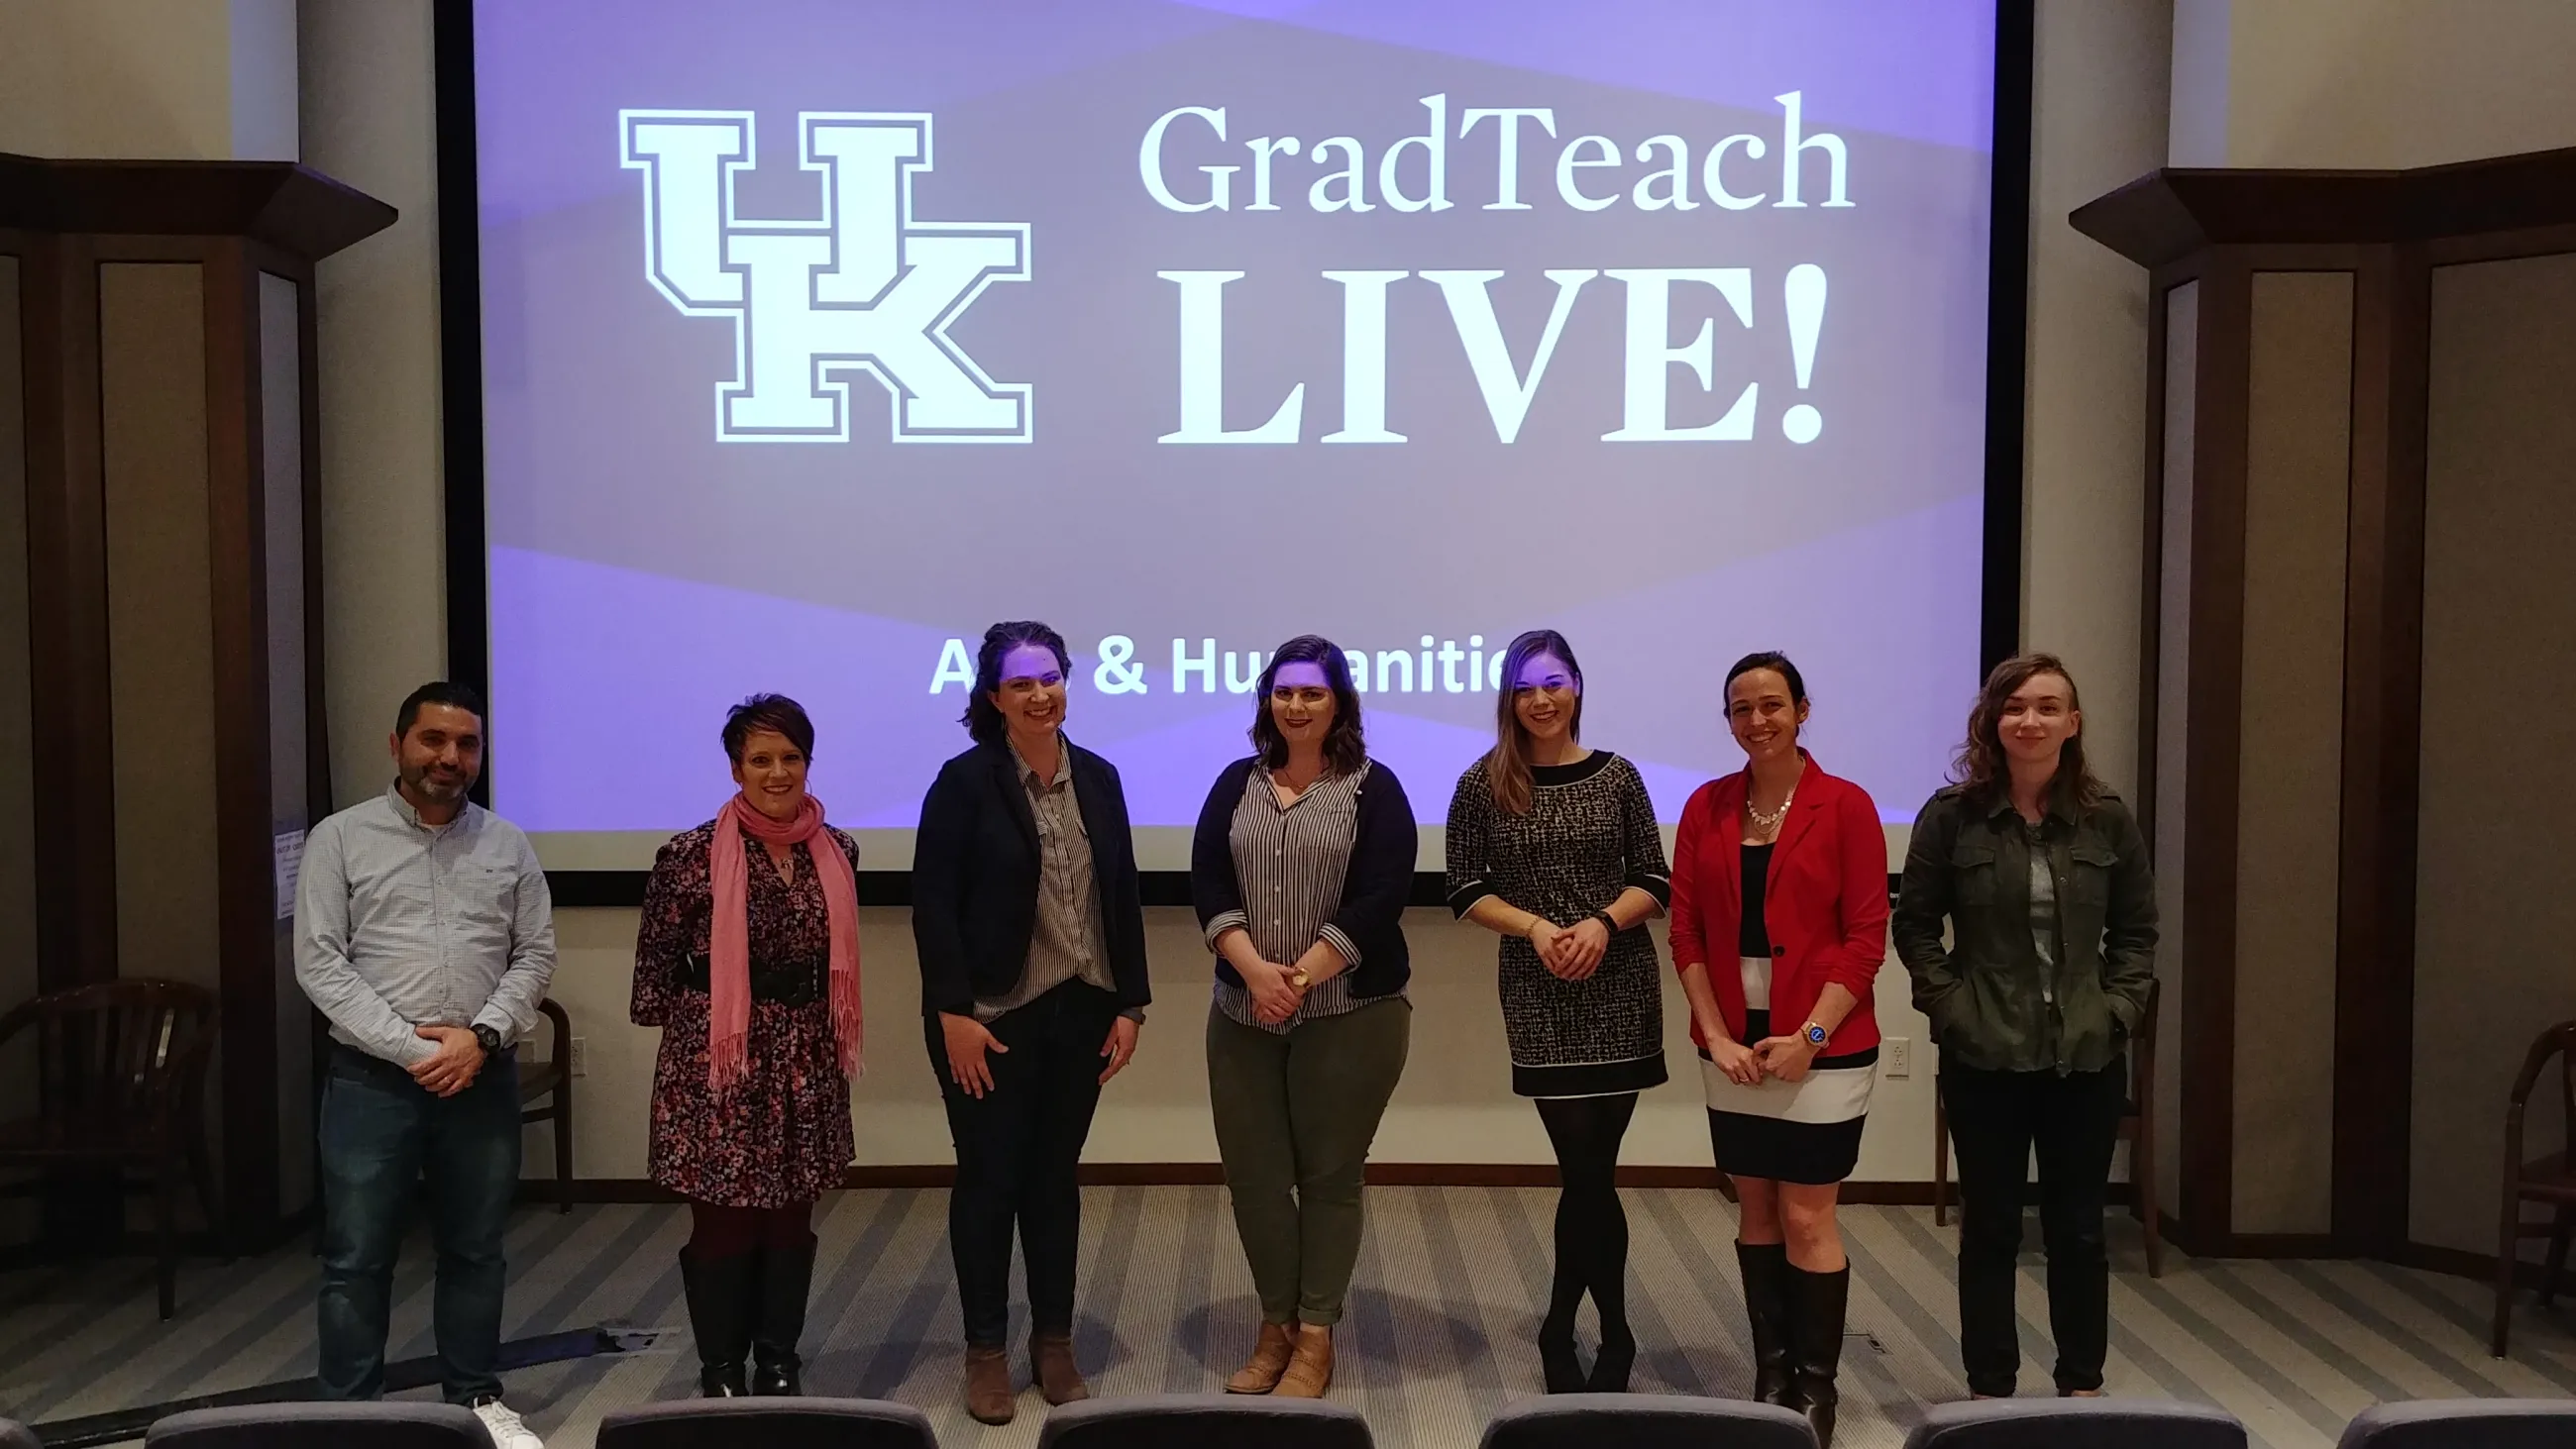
(1979, 770)
(1345, 743)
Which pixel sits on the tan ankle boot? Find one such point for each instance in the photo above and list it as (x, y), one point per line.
(989, 1399)
(1310, 1368)
(1269, 1361)
(1051, 1364)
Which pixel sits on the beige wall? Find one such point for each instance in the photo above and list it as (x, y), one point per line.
(2494, 912)
(2100, 100)
(2370, 83)
(368, 120)
(1455, 1104)
(2290, 748)
(149, 79)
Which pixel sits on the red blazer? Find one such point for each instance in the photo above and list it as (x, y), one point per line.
(1825, 902)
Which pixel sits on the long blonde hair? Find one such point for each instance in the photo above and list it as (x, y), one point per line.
(1507, 765)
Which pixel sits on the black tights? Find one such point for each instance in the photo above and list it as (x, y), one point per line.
(1591, 1226)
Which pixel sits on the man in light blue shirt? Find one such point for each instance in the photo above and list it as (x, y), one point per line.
(424, 931)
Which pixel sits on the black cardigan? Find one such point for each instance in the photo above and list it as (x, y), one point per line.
(1374, 890)
(975, 878)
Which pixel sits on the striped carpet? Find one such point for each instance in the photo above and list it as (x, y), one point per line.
(1450, 1283)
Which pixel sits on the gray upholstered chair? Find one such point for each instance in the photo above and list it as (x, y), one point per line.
(322, 1426)
(2465, 1424)
(14, 1435)
(769, 1423)
(2093, 1423)
(1196, 1421)
(1646, 1421)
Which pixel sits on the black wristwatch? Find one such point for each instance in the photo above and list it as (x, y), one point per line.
(490, 1039)
(1608, 921)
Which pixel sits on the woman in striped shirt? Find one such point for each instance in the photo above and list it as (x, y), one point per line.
(1300, 870)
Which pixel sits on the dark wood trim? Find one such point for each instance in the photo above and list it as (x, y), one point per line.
(2160, 285)
(2383, 688)
(237, 566)
(2008, 234)
(1211, 1174)
(2213, 707)
(2543, 241)
(278, 202)
(2460, 1263)
(2171, 213)
(624, 888)
(72, 725)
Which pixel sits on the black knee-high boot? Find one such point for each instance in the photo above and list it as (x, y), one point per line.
(1818, 1303)
(722, 1295)
(786, 1282)
(1766, 1305)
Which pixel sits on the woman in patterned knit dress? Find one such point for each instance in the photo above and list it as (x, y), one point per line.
(1786, 866)
(1555, 847)
(748, 959)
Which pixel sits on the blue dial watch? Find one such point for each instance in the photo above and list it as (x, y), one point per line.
(1814, 1034)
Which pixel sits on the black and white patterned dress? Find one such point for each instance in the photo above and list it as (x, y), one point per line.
(1588, 836)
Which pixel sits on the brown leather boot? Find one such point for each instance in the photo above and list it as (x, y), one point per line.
(1310, 1368)
(1269, 1361)
(1051, 1364)
(989, 1399)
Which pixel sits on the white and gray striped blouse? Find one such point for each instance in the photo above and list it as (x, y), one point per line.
(1290, 862)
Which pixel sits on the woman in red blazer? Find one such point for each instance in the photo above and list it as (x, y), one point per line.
(1786, 866)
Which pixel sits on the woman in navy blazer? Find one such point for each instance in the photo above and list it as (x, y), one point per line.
(1786, 867)
(1031, 933)
(1300, 869)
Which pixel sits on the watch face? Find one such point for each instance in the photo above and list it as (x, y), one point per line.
(1816, 1034)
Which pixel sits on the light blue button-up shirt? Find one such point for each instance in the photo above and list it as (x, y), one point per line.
(400, 925)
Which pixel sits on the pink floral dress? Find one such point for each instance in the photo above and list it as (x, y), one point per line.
(782, 1136)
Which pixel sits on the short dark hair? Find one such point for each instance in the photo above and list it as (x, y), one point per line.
(982, 720)
(768, 712)
(1345, 746)
(437, 691)
(1768, 659)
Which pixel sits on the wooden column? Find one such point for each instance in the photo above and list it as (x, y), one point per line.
(175, 678)
(2284, 667)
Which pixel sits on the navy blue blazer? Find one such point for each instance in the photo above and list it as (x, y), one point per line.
(975, 878)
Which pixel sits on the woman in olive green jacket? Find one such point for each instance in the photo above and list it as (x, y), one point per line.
(2043, 879)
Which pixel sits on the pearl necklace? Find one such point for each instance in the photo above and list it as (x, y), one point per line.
(1768, 823)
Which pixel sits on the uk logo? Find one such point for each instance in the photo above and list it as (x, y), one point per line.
(866, 289)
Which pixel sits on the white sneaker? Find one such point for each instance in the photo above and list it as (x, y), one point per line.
(507, 1429)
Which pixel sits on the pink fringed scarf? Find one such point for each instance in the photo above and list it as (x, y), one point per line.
(729, 934)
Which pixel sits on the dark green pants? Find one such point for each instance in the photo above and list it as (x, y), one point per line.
(1294, 1118)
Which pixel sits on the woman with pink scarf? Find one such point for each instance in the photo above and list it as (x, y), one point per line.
(748, 959)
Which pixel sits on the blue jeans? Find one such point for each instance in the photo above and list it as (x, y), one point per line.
(381, 1132)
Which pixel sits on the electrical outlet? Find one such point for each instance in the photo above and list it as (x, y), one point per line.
(580, 1056)
(1896, 1050)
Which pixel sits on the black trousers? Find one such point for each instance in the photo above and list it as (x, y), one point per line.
(1996, 1119)
(1017, 1151)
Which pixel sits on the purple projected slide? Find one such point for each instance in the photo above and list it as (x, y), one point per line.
(817, 335)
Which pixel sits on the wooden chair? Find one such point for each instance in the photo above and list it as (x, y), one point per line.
(2137, 1128)
(551, 1080)
(120, 1086)
(2549, 1180)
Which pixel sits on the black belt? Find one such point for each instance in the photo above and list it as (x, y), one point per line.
(797, 985)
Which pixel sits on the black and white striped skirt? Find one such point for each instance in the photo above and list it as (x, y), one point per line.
(1807, 1131)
